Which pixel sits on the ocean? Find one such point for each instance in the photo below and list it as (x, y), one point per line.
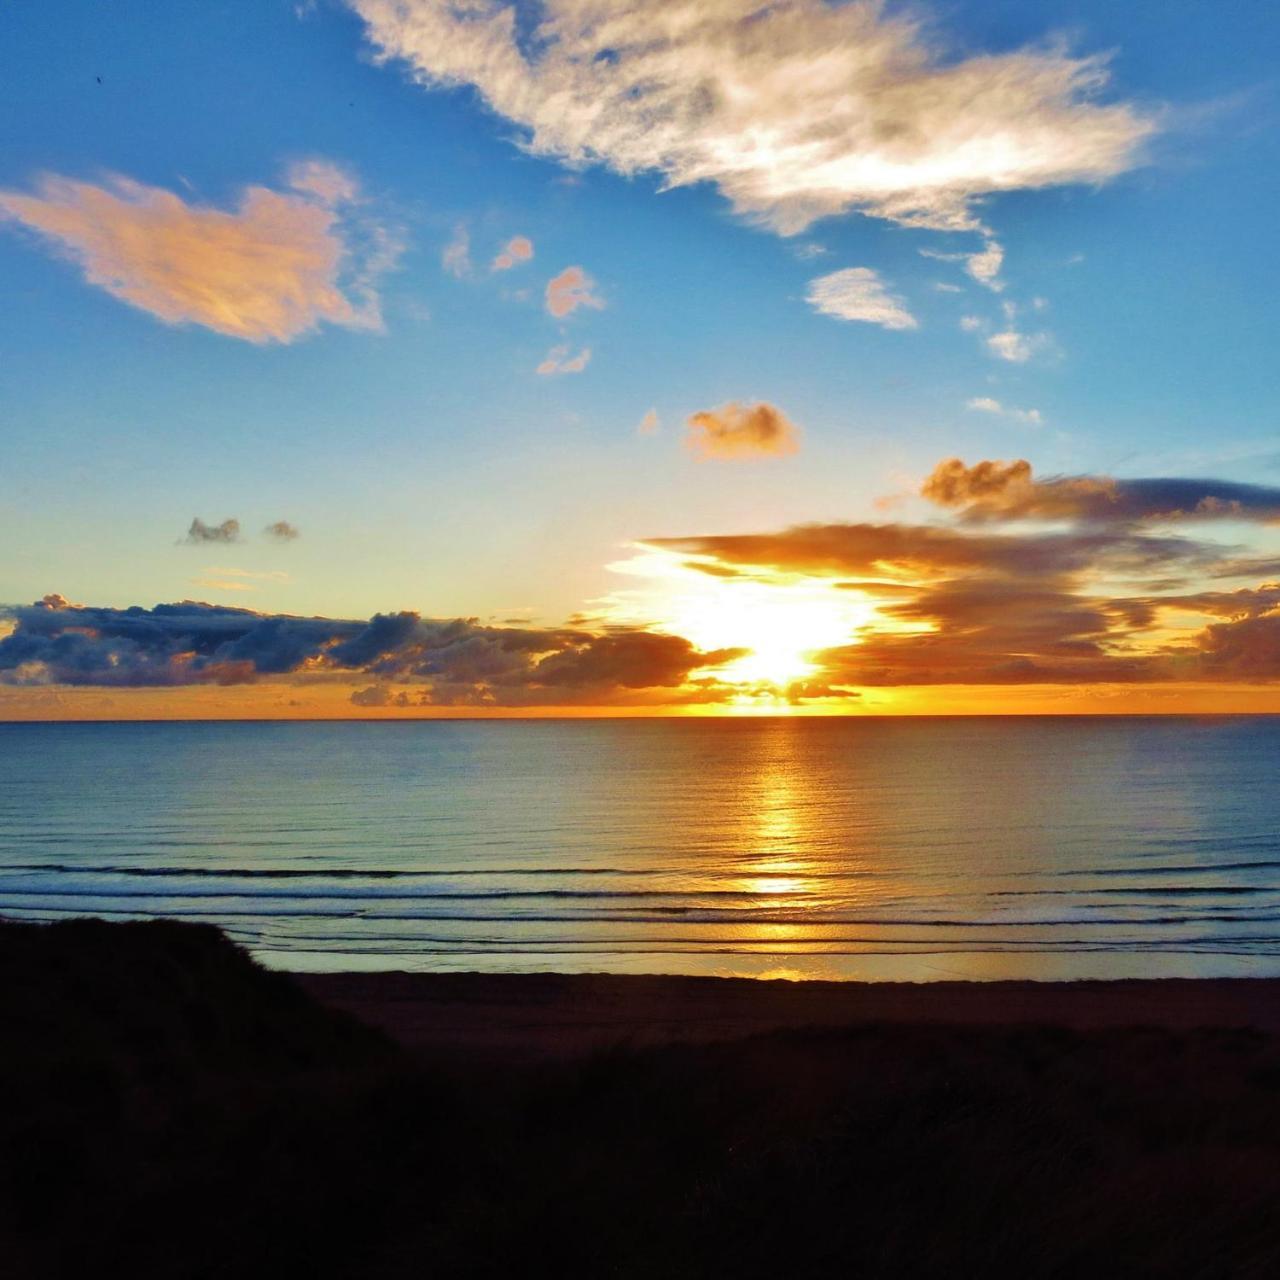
(915, 849)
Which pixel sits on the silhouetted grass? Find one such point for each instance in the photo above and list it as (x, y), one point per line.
(169, 1109)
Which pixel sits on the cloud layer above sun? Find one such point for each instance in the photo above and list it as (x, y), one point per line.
(1090, 579)
(271, 269)
(796, 111)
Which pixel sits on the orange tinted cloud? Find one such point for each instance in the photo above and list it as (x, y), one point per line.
(999, 490)
(911, 552)
(270, 270)
(737, 431)
(953, 484)
(568, 291)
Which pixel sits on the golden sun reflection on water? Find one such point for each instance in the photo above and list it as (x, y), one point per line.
(789, 865)
(779, 803)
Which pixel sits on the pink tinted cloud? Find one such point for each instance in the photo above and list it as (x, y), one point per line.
(271, 269)
(558, 360)
(568, 291)
(518, 249)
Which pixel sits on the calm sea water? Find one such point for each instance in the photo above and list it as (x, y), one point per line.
(916, 849)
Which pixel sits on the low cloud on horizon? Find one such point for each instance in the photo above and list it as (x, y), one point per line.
(446, 662)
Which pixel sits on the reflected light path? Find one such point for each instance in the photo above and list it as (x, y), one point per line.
(781, 803)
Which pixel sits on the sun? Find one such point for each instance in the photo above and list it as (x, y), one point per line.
(782, 621)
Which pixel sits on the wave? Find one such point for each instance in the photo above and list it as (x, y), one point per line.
(1162, 891)
(1198, 868)
(355, 895)
(342, 873)
(718, 870)
(684, 915)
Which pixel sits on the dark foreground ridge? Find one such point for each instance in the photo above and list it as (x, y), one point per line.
(169, 1109)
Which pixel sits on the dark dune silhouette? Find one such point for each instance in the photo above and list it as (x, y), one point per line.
(168, 1108)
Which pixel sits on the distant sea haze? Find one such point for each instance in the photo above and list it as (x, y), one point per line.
(911, 849)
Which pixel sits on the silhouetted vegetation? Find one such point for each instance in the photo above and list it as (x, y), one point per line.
(169, 1109)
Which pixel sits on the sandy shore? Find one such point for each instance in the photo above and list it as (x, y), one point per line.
(170, 1109)
(563, 1015)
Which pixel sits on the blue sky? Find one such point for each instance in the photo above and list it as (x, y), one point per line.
(427, 464)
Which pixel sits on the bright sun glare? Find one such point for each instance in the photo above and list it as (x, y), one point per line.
(783, 622)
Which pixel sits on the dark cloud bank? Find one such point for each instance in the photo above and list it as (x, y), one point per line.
(201, 532)
(1008, 491)
(457, 661)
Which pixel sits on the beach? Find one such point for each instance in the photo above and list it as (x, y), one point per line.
(550, 1015)
(170, 1107)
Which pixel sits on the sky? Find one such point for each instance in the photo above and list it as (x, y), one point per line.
(405, 358)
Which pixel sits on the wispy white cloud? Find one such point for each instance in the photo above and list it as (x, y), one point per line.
(796, 111)
(328, 183)
(988, 404)
(568, 291)
(270, 269)
(649, 424)
(456, 258)
(985, 266)
(858, 293)
(253, 575)
(209, 583)
(558, 360)
(1010, 344)
(220, 578)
